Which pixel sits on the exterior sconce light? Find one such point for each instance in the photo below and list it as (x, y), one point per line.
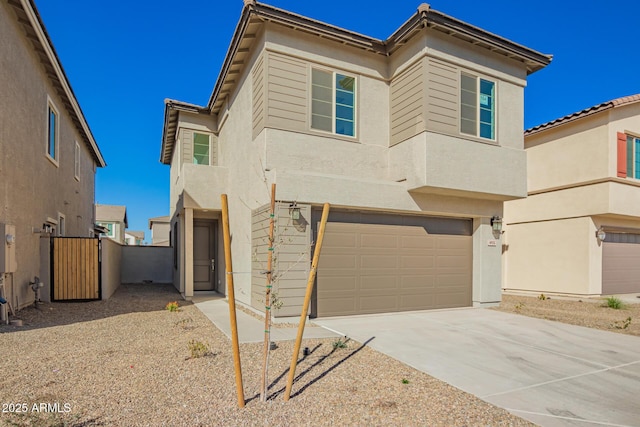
(600, 234)
(496, 223)
(294, 211)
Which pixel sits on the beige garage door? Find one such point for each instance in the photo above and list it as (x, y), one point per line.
(376, 268)
(621, 264)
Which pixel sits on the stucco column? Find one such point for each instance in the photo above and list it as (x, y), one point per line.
(487, 264)
(188, 253)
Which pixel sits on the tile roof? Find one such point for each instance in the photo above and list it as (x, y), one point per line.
(584, 113)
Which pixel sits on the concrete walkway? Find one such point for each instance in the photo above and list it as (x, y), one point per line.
(251, 329)
(550, 373)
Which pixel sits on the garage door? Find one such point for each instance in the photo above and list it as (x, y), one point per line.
(621, 264)
(414, 263)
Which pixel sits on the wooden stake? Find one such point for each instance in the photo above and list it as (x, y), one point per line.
(267, 298)
(232, 300)
(307, 299)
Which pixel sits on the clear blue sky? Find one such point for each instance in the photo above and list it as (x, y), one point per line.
(123, 58)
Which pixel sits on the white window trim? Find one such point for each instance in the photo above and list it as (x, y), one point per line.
(478, 77)
(62, 225)
(76, 162)
(193, 142)
(56, 156)
(633, 137)
(333, 102)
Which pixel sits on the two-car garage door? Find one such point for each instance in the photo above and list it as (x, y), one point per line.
(380, 263)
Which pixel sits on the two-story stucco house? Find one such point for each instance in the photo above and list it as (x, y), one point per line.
(160, 229)
(578, 232)
(415, 141)
(113, 219)
(48, 156)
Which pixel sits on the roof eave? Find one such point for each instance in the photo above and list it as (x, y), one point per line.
(172, 108)
(578, 115)
(427, 17)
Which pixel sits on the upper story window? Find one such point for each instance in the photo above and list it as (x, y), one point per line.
(201, 148)
(76, 169)
(52, 132)
(333, 105)
(633, 157)
(110, 227)
(477, 106)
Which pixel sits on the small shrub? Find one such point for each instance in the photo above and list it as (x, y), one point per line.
(405, 381)
(172, 306)
(542, 297)
(519, 306)
(198, 349)
(340, 343)
(615, 303)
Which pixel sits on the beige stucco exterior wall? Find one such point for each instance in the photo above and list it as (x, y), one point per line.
(553, 256)
(111, 267)
(33, 188)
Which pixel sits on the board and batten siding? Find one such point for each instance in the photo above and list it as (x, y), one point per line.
(257, 82)
(291, 257)
(442, 97)
(407, 104)
(186, 141)
(287, 93)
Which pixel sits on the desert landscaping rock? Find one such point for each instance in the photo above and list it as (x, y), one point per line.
(126, 362)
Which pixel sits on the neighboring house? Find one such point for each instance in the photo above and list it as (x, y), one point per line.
(416, 141)
(113, 219)
(48, 156)
(134, 238)
(160, 227)
(584, 185)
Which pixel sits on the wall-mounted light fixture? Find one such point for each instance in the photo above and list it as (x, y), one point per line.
(496, 223)
(601, 235)
(294, 211)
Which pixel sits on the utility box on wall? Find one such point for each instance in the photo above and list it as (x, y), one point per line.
(8, 262)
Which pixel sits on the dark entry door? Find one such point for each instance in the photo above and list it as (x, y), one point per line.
(204, 262)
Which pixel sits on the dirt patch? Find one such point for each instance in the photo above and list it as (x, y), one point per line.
(592, 313)
(128, 361)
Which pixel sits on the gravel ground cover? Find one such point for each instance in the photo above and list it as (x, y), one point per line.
(592, 313)
(126, 362)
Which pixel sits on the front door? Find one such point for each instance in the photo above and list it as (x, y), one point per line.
(204, 262)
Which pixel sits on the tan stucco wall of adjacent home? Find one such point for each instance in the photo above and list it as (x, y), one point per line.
(34, 189)
(550, 236)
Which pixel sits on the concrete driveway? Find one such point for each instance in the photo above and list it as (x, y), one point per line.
(550, 373)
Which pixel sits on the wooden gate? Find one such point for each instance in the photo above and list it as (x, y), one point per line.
(75, 269)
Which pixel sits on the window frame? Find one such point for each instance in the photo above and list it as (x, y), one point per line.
(193, 142)
(76, 161)
(478, 106)
(62, 225)
(633, 161)
(109, 226)
(334, 104)
(52, 109)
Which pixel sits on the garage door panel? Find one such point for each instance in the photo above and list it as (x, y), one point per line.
(378, 261)
(392, 268)
(338, 261)
(418, 302)
(418, 242)
(378, 303)
(421, 282)
(337, 306)
(340, 240)
(417, 261)
(378, 241)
